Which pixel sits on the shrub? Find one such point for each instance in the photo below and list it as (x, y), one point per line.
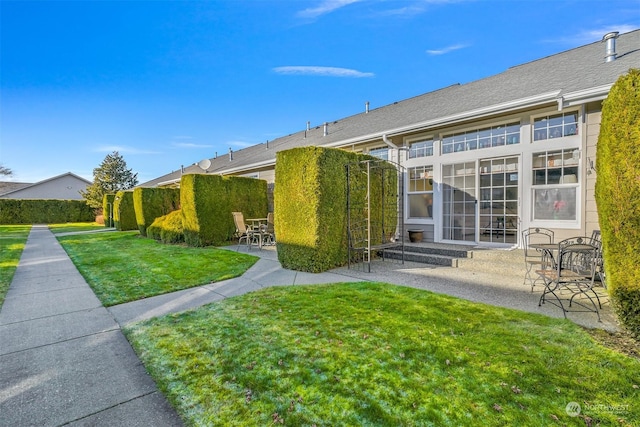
(151, 203)
(124, 214)
(48, 211)
(167, 228)
(208, 200)
(618, 196)
(311, 207)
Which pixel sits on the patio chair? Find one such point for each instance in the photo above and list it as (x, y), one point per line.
(533, 258)
(574, 275)
(269, 232)
(243, 231)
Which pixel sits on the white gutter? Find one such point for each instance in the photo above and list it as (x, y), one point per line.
(171, 181)
(588, 95)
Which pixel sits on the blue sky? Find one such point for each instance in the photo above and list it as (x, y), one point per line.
(168, 83)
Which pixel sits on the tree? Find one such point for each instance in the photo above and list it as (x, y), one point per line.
(110, 177)
(618, 196)
(5, 171)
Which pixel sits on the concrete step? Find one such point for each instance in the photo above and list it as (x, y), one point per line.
(444, 250)
(422, 257)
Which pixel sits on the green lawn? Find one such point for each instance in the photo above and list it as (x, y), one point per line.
(75, 226)
(374, 354)
(122, 266)
(12, 241)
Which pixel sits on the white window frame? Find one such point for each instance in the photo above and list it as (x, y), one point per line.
(426, 173)
(554, 194)
(481, 138)
(555, 126)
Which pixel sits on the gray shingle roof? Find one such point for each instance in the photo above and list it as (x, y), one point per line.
(572, 71)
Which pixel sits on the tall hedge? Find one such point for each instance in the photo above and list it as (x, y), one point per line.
(124, 214)
(618, 196)
(107, 209)
(310, 199)
(30, 211)
(151, 203)
(208, 200)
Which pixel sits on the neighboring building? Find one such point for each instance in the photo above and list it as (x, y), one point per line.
(483, 160)
(64, 187)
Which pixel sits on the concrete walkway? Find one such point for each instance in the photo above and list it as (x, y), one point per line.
(64, 360)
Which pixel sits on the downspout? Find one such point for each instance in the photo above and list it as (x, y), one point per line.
(388, 142)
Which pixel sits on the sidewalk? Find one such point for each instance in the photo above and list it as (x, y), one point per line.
(64, 360)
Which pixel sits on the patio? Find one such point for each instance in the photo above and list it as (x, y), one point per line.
(491, 276)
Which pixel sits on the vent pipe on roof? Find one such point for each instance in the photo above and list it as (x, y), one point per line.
(325, 132)
(230, 154)
(181, 168)
(308, 126)
(610, 40)
(366, 107)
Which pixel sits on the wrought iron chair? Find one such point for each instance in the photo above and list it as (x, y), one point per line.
(573, 275)
(533, 258)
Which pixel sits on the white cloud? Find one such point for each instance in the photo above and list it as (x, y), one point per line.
(124, 150)
(321, 71)
(190, 145)
(326, 6)
(446, 49)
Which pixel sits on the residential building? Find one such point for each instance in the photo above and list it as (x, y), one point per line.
(63, 187)
(483, 160)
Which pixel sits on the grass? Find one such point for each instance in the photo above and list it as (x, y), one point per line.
(12, 241)
(374, 354)
(75, 227)
(122, 266)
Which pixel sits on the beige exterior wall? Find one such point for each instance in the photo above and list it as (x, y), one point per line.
(593, 119)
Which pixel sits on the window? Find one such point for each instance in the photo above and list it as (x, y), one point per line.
(555, 126)
(555, 185)
(420, 192)
(381, 153)
(421, 149)
(494, 136)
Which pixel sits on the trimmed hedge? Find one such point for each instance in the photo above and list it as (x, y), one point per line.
(167, 228)
(30, 211)
(124, 214)
(208, 200)
(618, 196)
(108, 209)
(152, 203)
(311, 206)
